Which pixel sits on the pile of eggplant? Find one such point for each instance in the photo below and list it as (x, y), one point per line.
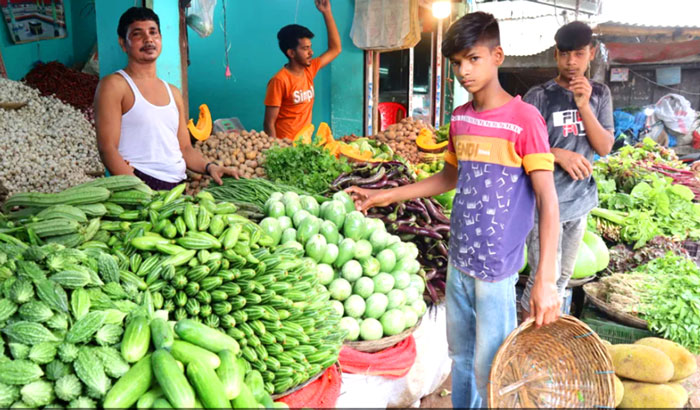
(421, 220)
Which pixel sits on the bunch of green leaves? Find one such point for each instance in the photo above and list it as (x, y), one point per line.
(305, 166)
(652, 208)
(630, 164)
(443, 133)
(671, 299)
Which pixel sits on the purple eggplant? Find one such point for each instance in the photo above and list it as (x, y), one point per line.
(430, 274)
(377, 185)
(432, 292)
(405, 228)
(441, 228)
(442, 249)
(435, 212)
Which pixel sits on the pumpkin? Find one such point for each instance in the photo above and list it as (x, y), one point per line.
(426, 142)
(306, 135)
(324, 136)
(202, 130)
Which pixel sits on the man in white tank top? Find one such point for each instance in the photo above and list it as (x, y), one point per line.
(140, 119)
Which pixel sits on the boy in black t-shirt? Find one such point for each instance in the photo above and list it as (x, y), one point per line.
(579, 119)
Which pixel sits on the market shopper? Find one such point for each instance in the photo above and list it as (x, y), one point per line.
(140, 119)
(579, 119)
(499, 161)
(289, 100)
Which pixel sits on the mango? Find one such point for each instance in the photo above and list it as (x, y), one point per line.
(641, 363)
(649, 395)
(684, 363)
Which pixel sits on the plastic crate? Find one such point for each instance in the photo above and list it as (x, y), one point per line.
(614, 333)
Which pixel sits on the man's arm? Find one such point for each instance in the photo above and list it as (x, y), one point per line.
(108, 119)
(544, 299)
(443, 181)
(271, 114)
(600, 139)
(334, 44)
(194, 159)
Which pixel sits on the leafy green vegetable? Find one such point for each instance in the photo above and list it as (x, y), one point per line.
(652, 208)
(671, 299)
(305, 166)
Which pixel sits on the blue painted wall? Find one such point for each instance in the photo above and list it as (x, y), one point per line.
(169, 67)
(19, 58)
(254, 57)
(113, 58)
(84, 33)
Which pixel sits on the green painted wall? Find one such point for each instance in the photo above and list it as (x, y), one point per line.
(254, 57)
(19, 58)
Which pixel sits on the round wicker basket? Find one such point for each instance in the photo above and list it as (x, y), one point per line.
(564, 364)
(373, 346)
(592, 291)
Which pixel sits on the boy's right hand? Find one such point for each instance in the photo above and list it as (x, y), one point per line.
(575, 164)
(369, 198)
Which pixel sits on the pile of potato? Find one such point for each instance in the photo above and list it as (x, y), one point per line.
(401, 137)
(241, 150)
(649, 373)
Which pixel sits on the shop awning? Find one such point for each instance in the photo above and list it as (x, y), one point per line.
(631, 53)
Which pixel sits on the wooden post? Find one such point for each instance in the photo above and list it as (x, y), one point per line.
(3, 70)
(376, 124)
(184, 55)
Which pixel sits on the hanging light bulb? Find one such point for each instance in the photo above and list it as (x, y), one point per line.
(441, 8)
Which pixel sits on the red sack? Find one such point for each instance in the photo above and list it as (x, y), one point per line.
(322, 393)
(394, 362)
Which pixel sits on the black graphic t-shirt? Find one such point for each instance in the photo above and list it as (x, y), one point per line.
(566, 131)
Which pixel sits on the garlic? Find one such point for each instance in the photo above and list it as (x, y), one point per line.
(45, 146)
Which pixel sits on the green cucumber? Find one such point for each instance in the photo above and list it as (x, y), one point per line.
(187, 353)
(207, 385)
(162, 334)
(136, 339)
(231, 373)
(172, 380)
(130, 387)
(206, 337)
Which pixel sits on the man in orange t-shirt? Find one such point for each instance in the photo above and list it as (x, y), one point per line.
(290, 93)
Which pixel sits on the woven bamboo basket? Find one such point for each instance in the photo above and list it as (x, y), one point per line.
(373, 346)
(564, 364)
(592, 291)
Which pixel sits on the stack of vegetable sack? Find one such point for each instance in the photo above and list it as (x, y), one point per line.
(649, 373)
(372, 275)
(287, 328)
(421, 221)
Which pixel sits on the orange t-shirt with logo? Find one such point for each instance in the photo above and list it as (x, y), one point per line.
(295, 97)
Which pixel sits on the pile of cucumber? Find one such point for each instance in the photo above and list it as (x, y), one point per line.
(200, 369)
(82, 267)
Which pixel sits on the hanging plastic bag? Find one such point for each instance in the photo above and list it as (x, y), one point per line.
(676, 113)
(200, 17)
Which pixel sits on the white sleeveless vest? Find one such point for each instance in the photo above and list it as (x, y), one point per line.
(148, 138)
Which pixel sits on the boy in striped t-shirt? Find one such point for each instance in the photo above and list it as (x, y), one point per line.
(499, 161)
